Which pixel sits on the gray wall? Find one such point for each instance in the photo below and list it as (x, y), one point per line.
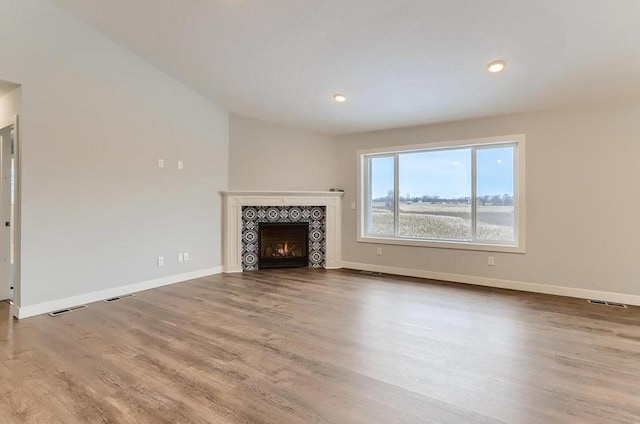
(96, 209)
(582, 208)
(583, 231)
(266, 156)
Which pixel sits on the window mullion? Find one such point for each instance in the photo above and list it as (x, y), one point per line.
(369, 200)
(396, 195)
(516, 197)
(474, 194)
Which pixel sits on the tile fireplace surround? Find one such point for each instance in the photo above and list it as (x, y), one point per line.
(234, 201)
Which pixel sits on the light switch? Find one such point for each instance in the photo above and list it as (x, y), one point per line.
(180, 165)
(180, 257)
(160, 163)
(353, 205)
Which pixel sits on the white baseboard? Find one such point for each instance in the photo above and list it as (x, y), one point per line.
(231, 270)
(55, 305)
(628, 299)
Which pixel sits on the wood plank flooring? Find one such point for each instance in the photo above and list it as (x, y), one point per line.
(317, 346)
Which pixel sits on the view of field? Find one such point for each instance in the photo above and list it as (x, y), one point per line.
(445, 221)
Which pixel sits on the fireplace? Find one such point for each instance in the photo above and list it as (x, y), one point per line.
(283, 245)
(293, 220)
(245, 211)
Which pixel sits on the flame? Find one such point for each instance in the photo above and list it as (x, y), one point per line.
(284, 250)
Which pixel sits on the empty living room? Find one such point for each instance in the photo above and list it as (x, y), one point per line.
(329, 212)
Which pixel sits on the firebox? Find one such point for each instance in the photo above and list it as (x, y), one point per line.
(283, 245)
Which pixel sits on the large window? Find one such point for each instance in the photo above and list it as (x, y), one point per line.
(466, 194)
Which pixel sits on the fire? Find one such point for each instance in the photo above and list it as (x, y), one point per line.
(284, 250)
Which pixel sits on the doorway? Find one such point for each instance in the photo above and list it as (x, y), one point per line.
(8, 179)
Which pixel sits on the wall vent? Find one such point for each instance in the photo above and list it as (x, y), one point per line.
(66, 311)
(117, 298)
(605, 303)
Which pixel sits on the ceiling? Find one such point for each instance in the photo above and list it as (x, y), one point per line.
(5, 87)
(400, 62)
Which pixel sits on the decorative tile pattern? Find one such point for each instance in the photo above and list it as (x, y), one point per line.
(252, 216)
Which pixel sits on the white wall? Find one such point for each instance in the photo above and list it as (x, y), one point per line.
(583, 207)
(96, 209)
(266, 156)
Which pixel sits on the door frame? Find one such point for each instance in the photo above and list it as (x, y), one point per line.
(14, 122)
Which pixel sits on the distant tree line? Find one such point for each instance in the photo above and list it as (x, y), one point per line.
(489, 199)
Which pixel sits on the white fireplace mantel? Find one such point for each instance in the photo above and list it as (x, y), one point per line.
(233, 201)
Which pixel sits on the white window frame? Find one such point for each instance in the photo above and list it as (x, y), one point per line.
(517, 140)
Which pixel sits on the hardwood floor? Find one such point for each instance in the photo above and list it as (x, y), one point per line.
(316, 346)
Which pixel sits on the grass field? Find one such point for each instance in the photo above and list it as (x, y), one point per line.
(450, 222)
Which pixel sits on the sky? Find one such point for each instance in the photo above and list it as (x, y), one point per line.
(446, 173)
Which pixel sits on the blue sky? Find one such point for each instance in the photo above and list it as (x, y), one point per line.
(446, 173)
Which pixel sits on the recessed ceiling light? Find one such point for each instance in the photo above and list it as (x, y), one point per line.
(496, 66)
(340, 98)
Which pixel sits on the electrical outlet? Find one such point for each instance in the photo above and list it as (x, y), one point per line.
(186, 256)
(180, 257)
(379, 251)
(160, 260)
(491, 261)
(160, 163)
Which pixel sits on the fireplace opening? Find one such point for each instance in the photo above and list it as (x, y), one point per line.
(283, 245)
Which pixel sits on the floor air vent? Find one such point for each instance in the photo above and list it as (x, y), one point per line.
(66, 311)
(115, 299)
(371, 272)
(605, 303)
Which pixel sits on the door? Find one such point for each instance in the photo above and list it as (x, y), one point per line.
(6, 211)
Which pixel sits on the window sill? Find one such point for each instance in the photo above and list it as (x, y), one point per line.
(460, 245)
